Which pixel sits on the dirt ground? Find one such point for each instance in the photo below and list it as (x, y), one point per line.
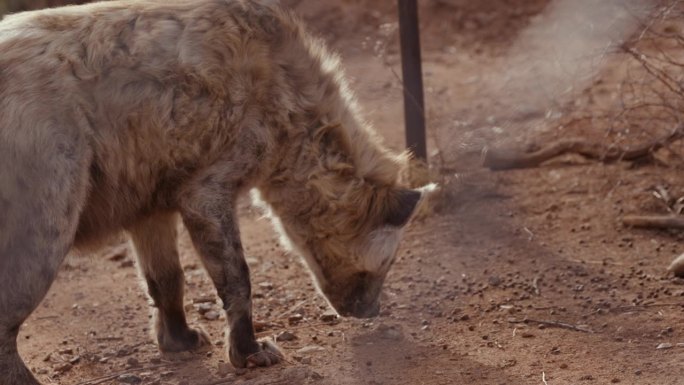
(519, 277)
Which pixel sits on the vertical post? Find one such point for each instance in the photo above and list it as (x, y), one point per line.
(414, 108)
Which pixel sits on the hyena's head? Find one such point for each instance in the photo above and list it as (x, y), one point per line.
(348, 252)
(350, 265)
(345, 222)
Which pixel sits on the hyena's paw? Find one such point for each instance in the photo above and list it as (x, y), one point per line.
(187, 340)
(265, 354)
(13, 371)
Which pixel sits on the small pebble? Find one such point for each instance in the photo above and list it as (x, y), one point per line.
(204, 308)
(224, 369)
(329, 316)
(211, 315)
(129, 379)
(63, 368)
(285, 336)
(310, 349)
(293, 319)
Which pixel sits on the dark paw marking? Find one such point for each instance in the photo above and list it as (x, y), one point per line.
(266, 354)
(188, 340)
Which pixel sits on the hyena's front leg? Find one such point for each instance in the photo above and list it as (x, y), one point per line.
(154, 239)
(209, 217)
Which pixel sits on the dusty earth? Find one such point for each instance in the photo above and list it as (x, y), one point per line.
(518, 277)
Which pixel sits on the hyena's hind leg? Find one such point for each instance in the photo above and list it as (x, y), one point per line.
(154, 239)
(40, 201)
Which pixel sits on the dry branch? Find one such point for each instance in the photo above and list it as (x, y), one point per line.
(556, 324)
(655, 221)
(507, 159)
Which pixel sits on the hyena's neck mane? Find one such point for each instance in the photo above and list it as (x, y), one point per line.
(334, 128)
(336, 171)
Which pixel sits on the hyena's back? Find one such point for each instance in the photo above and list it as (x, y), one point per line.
(136, 92)
(106, 112)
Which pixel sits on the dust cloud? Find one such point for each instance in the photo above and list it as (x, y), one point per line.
(563, 49)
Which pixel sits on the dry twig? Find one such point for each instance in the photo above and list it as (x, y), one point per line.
(556, 324)
(110, 377)
(506, 159)
(655, 221)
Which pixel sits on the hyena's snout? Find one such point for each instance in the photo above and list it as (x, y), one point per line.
(359, 309)
(359, 296)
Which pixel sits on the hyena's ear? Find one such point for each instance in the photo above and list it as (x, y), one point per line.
(400, 206)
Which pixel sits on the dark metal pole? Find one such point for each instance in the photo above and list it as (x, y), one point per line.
(414, 109)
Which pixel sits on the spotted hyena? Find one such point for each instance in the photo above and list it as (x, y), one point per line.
(125, 115)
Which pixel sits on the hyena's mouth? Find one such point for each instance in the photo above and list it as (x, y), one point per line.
(358, 309)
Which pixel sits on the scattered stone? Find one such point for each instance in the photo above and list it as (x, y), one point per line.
(63, 368)
(664, 345)
(211, 315)
(285, 336)
(129, 379)
(224, 369)
(75, 360)
(295, 318)
(251, 261)
(266, 285)
(563, 365)
(316, 376)
(132, 362)
(494, 281)
(527, 335)
(587, 377)
(329, 316)
(204, 307)
(204, 299)
(615, 380)
(125, 351)
(637, 372)
(190, 267)
(68, 351)
(305, 360)
(310, 349)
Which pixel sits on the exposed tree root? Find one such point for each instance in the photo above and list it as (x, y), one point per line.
(655, 221)
(507, 159)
